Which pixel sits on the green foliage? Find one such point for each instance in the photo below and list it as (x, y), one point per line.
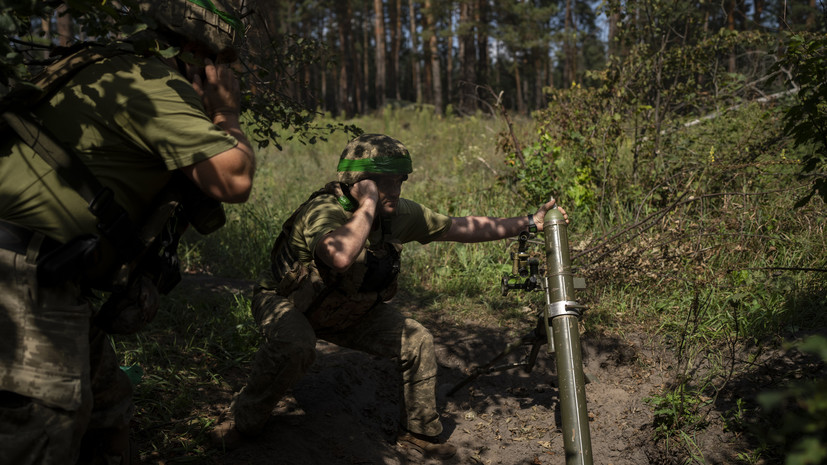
(269, 66)
(676, 410)
(806, 120)
(199, 335)
(696, 202)
(800, 412)
(573, 136)
(13, 23)
(713, 277)
(277, 115)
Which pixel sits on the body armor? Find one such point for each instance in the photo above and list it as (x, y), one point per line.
(330, 300)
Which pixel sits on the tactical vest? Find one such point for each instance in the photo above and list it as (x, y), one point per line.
(334, 301)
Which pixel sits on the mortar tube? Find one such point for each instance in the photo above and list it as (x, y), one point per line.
(568, 353)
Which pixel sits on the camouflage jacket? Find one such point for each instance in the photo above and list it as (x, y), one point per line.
(333, 300)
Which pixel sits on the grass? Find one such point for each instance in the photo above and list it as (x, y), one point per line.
(732, 262)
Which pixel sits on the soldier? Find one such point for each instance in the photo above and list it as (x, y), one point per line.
(136, 123)
(333, 268)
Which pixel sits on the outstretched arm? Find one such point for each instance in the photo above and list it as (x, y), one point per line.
(486, 228)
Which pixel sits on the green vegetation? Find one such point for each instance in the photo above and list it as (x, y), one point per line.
(699, 229)
(694, 176)
(715, 231)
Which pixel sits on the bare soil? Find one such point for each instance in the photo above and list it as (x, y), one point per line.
(346, 409)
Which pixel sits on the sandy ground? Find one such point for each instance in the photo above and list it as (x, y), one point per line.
(346, 409)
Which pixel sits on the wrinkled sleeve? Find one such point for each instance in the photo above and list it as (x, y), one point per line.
(416, 222)
(320, 218)
(166, 118)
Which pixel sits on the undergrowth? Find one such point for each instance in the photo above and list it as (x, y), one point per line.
(704, 247)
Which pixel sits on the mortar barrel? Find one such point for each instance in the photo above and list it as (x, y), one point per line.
(566, 340)
(571, 385)
(558, 263)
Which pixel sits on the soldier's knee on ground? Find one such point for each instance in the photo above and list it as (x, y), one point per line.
(417, 356)
(300, 355)
(417, 339)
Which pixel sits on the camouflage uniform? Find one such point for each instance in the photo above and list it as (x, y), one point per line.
(61, 376)
(133, 121)
(301, 300)
(288, 352)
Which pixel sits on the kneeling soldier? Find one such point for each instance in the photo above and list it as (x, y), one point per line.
(333, 268)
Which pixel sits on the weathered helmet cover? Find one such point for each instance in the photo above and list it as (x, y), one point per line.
(213, 23)
(371, 154)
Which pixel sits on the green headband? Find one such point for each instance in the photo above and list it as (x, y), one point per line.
(381, 165)
(208, 5)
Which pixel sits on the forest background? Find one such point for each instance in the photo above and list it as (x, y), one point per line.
(686, 138)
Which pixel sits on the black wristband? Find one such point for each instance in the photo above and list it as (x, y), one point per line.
(532, 226)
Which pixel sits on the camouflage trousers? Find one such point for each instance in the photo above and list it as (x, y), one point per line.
(63, 397)
(289, 349)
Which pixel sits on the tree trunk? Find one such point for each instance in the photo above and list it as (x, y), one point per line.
(379, 31)
(730, 19)
(539, 78)
(758, 10)
(396, 37)
(449, 58)
(323, 68)
(811, 16)
(417, 81)
(362, 74)
(496, 78)
(614, 18)
(519, 87)
(483, 60)
(436, 74)
(570, 67)
(345, 103)
(288, 29)
(467, 57)
(427, 69)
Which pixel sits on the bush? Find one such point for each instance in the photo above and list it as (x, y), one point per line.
(799, 412)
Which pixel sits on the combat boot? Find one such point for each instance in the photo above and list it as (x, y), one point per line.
(429, 446)
(225, 435)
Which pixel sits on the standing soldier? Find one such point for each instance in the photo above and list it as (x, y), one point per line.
(333, 268)
(80, 177)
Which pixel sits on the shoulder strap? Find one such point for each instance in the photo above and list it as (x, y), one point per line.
(113, 221)
(280, 258)
(52, 77)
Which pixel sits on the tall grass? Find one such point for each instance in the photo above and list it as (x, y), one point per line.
(702, 249)
(457, 171)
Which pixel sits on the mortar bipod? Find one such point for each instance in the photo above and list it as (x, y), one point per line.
(535, 339)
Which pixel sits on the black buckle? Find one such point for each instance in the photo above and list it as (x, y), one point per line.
(532, 226)
(103, 206)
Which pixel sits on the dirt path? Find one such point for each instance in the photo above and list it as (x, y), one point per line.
(345, 410)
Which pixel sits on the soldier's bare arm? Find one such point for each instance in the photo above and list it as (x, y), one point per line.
(228, 176)
(485, 228)
(339, 248)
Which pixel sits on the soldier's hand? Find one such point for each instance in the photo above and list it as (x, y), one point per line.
(219, 90)
(540, 215)
(365, 190)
